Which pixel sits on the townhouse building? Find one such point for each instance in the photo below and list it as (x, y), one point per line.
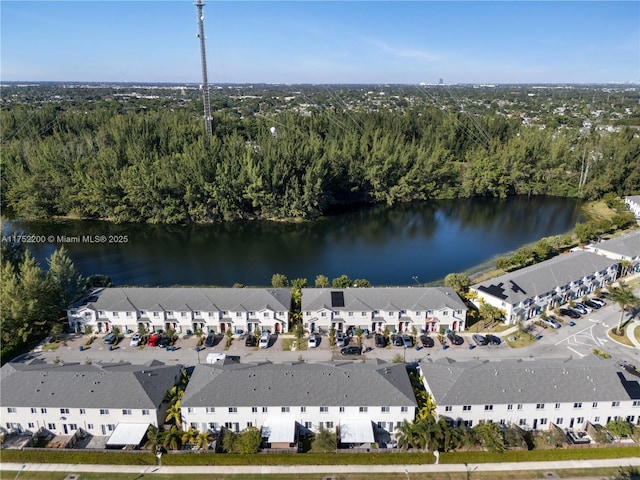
(96, 398)
(625, 248)
(398, 309)
(529, 291)
(633, 201)
(183, 309)
(533, 394)
(362, 400)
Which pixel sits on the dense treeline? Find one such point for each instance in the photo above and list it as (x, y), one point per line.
(156, 166)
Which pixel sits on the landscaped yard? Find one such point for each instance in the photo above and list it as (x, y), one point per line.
(520, 339)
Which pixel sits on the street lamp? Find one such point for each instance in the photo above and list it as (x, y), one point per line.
(406, 472)
(24, 465)
(415, 279)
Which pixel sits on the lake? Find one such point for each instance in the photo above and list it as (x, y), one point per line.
(400, 245)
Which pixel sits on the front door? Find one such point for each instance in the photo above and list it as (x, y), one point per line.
(66, 430)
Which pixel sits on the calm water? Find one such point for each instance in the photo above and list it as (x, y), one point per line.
(387, 246)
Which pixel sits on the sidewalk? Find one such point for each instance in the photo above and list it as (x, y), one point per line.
(323, 469)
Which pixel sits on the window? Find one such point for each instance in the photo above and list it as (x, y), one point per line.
(543, 421)
(73, 426)
(308, 425)
(577, 405)
(350, 314)
(213, 410)
(329, 425)
(284, 409)
(510, 406)
(213, 426)
(447, 408)
(363, 409)
(539, 406)
(189, 410)
(303, 409)
(404, 409)
(364, 314)
(615, 404)
(385, 409)
(445, 313)
(519, 406)
(89, 426)
(126, 411)
(324, 409)
(636, 403)
(51, 426)
(129, 314)
(265, 314)
(522, 422)
(466, 408)
(596, 419)
(233, 409)
(594, 405)
(156, 314)
(12, 410)
(145, 412)
(31, 425)
(265, 409)
(238, 314)
(468, 423)
(249, 424)
(580, 420)
(34, 410)
(559, 421)
(488, 408)
(341, 409)
(557, 406)
(104, 411)
(254, 409)
(83, 411)
(43, 410)
(64, 410)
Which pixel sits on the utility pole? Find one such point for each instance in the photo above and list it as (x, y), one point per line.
(208, 120)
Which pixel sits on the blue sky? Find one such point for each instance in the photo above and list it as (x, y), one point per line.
(322, 42)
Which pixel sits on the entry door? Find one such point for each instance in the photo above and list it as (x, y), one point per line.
(535, 423)
(66, 430)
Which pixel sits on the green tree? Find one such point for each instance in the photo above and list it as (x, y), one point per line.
(248, 441)
(460, 282)
(174, 414)
(491, 314)
(489, 436)
(324, 441)
(619, 427)
(154, 438)
(189, 436)
(172, 438)
(343, 281)
(362, 283)
(406, 435)
(322, 281)
(625, 298)
(67, 280)
(203, 440)
(279, 280)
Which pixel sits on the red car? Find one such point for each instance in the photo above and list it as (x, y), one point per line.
(154, 339)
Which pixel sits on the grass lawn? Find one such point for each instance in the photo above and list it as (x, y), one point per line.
(520, 339)
(620, 338)
(597, 210)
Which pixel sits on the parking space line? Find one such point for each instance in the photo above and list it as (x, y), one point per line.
(576, 352)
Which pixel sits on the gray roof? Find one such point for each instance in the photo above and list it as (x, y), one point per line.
(75, 385)
(187, 298)
(544, 277)
(304, 384)
(627, 245)
(383, 298)
(528, 381)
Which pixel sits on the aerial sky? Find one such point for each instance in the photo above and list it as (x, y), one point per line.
(322, 42)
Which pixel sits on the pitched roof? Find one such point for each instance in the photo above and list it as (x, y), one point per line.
(75, 385)
(544, 277)
(195, 299)
(528, 381)
(627, 245)
(383, 298)
(304, 384)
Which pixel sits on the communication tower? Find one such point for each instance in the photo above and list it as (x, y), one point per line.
(208, 120)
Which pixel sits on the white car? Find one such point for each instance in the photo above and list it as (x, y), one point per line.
(264, 341)
(598, 301)
(552, 322)
(136, 340)
(314, 340)
(340, 339)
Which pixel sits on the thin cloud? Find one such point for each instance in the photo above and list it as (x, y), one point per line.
(384, 47)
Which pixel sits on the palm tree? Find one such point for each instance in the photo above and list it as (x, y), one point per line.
(174, 394)
(172, 438)
(174, 414)
(623, 295)
(427, 406)
(406, 435)
(154, 438)
(429, 433)
(189, 436)
(203, 439)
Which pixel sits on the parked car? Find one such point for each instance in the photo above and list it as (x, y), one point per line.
(110, 338)
(210, 341)
(407, 341)
(493, 339)
(341, 339)
(479, 339)
(551, 322)
(397, 340)
(599, 301)
(314, 340)
(153, 340)
(264, 340)
(136, 340)
(352, 350)
(585, 306)
(251, 341)
(427, 341)
(581, 309)
(381, 342)
(592, 304)
(455, 339)
(164, 341)
(569, 312)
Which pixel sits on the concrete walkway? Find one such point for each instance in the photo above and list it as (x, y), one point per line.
(323, 469)
(631, 333)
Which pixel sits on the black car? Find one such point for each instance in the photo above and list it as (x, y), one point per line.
(591, 304)
(427, 341)
(251, 341)
(210, 341)
(110, 338)
(164, 341)
(569, 312)
(397, 340)
(381, 342)
(352, 350)
(493, 339)
(455, 339)
(479, 340)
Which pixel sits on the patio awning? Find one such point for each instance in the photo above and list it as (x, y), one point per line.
(127, 434)
(356, 431)
(279, 430)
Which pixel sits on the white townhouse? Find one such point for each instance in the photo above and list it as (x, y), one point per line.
(533, 394)
(625, 247)
(360, 400)
(633, 202)
(183, 309)
(96, 398)
(527, 292)
(398, 309)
